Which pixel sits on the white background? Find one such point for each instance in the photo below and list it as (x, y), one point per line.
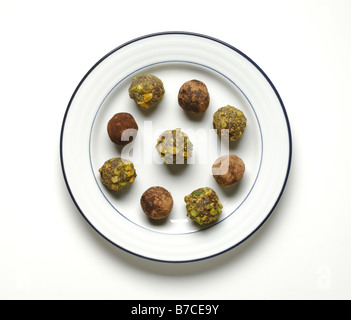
(48, 251)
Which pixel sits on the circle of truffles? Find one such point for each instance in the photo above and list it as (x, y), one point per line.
(193, 96)
(228, 170)
(157, 203)
(146, 90)
(174, 147)
(122, 128)
(229, 122)
(117, 174)
(203, 206)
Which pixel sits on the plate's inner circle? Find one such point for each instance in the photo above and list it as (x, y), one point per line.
(179, 180)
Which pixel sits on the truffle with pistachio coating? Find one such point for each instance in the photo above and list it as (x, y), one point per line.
(174, 147)
(203, 206)
(229, 122)
(117, 174)
(146, 90)
(157, 203)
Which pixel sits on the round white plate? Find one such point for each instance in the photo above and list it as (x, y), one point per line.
(232, 79)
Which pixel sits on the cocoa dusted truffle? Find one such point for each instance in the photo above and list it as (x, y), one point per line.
(174, 147)
(229, 122)
(193, 96)
(146, 90)
(122, 128)
(203, 206)
(228, 170)
(117, 174)
(157, 203)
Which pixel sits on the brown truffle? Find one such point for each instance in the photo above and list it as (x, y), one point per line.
(122, 128)
(157, 203)
(228, 170)
(193, 96)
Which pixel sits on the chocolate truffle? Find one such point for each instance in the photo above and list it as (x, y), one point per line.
(228, 170)
(117, 174)
(122, 128)
(193, 96)
(174, 147)
(229, 122)
(203, 206)
(146, 90)
(157, 203)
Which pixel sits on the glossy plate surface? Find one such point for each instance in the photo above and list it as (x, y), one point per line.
(232, 79)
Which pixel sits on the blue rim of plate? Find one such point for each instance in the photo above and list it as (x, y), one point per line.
(186, 34)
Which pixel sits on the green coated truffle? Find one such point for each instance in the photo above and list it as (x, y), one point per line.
(203, 206)
(174, 147)
(146, 90)
(229, 122)
(117, 174)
